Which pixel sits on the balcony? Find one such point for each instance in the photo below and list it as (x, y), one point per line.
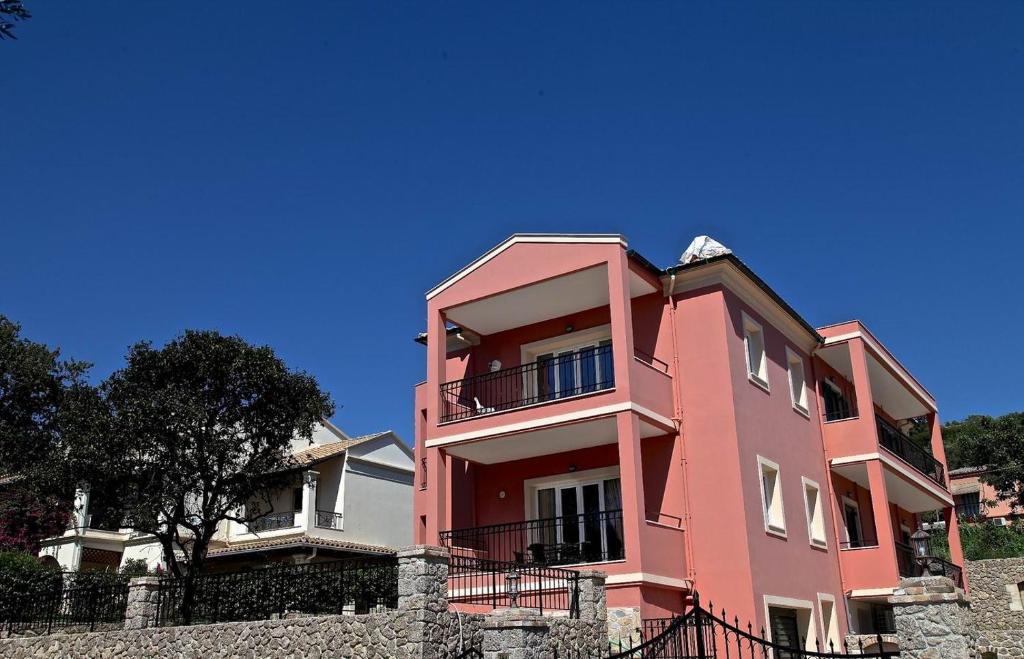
(328, 519)
(556, 377)
(904, 448)
(912, 566)
(273, 522)
(571, 540)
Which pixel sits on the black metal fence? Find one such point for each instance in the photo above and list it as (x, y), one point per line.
(574, 373)
(328, 519)
(347, 586)
(572, 539)
(71, 601)
(494, 584)
(702, 634)
(896, 442)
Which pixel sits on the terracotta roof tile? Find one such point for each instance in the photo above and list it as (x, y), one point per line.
(298, 541)
(315, 454)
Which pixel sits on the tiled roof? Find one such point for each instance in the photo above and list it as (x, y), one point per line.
(298, 542)
(315, 454)
(966, 471)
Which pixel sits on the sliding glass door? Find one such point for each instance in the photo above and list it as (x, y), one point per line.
(579, 523)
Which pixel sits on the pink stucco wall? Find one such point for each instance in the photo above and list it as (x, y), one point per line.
(691, 500)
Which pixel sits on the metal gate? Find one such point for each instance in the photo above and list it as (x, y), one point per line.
(700, 634)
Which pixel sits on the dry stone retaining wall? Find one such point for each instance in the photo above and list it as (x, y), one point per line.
(995, 594)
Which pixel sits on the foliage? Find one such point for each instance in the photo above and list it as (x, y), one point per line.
(46, 413)
(19, 561)
(26, 518)
(15, 9)
(135, 567)
(993, 442)
(984, 540)
(196, 431)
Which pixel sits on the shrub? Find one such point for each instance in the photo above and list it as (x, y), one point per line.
(984, 540)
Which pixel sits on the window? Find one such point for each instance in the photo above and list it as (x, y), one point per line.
(1016, 593)
(797, 381)
(837, 407)
(851, 519)
(576, 519)
(297, 498)
(771, 497)
(968, 504)
(815, 513)
(569, 365)
(829, 623)
(757, 362)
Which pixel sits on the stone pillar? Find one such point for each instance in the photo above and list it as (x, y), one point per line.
(423, 600)
(308, 521)
(932, 619)
(516, 634)
(593, 602)
(143, 600)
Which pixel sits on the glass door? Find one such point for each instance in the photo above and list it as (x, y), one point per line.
(574, 524)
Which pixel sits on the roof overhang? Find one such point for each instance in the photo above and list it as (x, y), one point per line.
(729, 271)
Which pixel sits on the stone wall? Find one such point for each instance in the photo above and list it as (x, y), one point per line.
(995, 594)
(932, 620)
(422, 627)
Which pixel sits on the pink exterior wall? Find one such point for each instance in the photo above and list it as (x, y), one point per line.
(691, 500)
(1002, 507)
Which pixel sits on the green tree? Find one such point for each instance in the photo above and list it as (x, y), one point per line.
(44, 404)
(15, 10)
(993, 442)
(199, 432)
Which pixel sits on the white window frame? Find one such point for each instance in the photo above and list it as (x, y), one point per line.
(816, 536)
(773, 525)
(803, 608)
(829, 630)
(800, 399)
(750, 327)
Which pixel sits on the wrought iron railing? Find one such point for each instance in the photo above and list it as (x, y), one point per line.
(650, 360)
(328, 519)
(703, 633)
(349, 586)
(273, 521)
(911, 565)
(905, 561)
(904, 448)
(588, 538)
(481, 582)
(581, 372)
(73, 601)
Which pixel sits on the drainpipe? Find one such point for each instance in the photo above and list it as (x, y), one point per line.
(677, 396)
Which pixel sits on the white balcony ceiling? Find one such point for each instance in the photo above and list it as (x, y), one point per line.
(545, 441)
(551, 298)
(905, 494)
(889, 391)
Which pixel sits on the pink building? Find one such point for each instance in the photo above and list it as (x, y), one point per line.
(681, 429)
(977, 500)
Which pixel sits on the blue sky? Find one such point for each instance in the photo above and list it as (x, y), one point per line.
(302, 176)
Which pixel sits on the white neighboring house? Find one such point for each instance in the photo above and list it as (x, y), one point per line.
(352, 495)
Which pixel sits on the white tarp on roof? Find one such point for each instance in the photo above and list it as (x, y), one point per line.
(703, 247)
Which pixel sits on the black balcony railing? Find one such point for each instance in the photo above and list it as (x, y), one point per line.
(575, 373)
(857, 544)
(328, 519)
(588, 538)
(911, 565)
(481, 582)
(273, 521)
(904, 448)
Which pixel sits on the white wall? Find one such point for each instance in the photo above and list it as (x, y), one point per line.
(378, 505)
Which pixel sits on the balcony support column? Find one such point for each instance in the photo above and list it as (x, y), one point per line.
(956, 552)
(438, 506)
(631, 479)
(862, 388)
(621, 312)
(882, 517)
(308, 521)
